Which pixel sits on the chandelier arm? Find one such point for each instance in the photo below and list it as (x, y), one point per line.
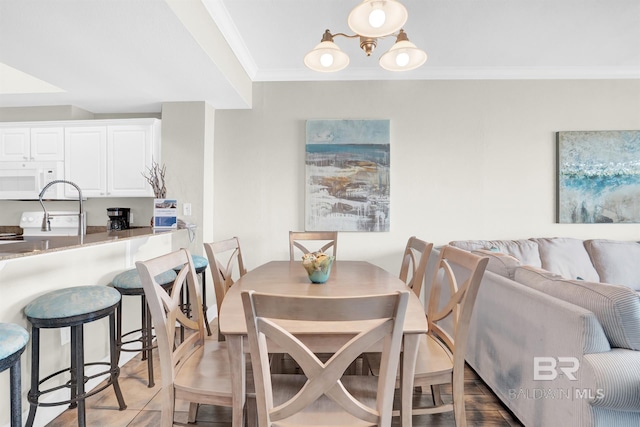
(354, 36)
(345, 35)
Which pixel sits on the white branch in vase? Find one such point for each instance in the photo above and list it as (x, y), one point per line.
(155, 177)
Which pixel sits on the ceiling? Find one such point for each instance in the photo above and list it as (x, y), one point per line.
(124, 56)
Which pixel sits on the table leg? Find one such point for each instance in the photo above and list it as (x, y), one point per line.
(409, 356)
(238, 378)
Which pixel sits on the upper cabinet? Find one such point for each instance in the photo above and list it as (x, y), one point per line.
(105, 158)
(31, 143)
(110, 160)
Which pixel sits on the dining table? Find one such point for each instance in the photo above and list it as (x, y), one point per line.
(347, 278)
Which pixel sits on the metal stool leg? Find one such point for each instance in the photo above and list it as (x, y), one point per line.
(204, 302)
(115, 370)
(35, 369)
(77, 373)
(147, 340)
(16, 400)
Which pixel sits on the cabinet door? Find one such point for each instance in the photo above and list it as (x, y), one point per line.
(47, 144)
(14, 144)
(129, 155)
(86, 160)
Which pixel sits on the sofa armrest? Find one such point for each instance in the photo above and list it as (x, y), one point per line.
(616, 375)
(513, 325)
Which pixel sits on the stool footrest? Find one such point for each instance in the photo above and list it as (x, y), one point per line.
(140, 340)
(34, 397)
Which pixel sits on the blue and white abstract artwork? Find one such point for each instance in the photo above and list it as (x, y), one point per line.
(347, 175)
(599, 177)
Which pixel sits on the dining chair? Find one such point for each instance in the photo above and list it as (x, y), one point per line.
(324, 392)
(412, 270)
(414, 263)
(225, 258)
(442, 350)
(328, 240)
(197, 368)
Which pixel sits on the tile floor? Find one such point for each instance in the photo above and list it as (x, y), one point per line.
(143, 405)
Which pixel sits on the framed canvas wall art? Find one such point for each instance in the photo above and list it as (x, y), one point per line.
(347, 175)
(598, 177)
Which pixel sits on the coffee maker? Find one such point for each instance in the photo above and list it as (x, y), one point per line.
(118, 218)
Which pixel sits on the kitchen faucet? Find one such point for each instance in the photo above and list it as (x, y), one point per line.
(46, 223)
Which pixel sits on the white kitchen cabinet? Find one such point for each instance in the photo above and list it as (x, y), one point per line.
(109, 160)
(31, 144)
(86, 160)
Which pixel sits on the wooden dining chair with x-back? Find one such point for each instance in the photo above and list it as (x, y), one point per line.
(324, 392)
(225, 258)
(195, 369)
(442, 350)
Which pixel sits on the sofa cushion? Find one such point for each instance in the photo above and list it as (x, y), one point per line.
(616, 261)
(616, 307)
(567, 257)
(524, 250)
(500, 263)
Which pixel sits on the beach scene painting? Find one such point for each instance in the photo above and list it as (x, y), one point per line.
(598, 177)
(347, 175)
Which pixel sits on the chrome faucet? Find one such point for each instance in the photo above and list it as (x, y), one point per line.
(46, 223)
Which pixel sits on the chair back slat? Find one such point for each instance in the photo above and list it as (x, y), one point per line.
(327, 240)
(225, 257)
(414, 263)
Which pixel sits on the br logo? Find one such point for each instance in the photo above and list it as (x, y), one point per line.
(546, 368)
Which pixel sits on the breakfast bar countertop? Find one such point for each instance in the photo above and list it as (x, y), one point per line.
(36, 245)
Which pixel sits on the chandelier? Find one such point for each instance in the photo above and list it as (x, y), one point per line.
(370, 20)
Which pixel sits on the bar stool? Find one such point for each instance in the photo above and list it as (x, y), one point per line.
(13, 340)
(73, 307)
(128, 284)
(200, 264)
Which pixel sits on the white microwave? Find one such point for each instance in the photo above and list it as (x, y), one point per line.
(25, 180)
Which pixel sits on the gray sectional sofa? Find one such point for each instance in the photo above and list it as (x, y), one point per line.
(556, 329)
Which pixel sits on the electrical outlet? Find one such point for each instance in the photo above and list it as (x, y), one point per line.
(186, 209)
(130, 218)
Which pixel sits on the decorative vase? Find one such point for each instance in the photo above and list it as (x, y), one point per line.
(320, 272)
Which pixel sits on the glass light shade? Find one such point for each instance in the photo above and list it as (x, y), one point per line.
(377, 18)
(403, 56)
(326, 57)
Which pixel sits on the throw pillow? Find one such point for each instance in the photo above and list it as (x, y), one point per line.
(524, 250)
(616, 261)
(616, 307)
(567, 257)
(499, 263)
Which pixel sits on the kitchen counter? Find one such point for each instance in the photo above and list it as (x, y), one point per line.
(37, 265)
(27, 246)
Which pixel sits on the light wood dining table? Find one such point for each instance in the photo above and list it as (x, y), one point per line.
(347, 278)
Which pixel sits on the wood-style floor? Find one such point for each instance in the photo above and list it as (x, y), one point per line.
(143, 405)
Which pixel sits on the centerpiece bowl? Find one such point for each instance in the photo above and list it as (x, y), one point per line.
(318, 266)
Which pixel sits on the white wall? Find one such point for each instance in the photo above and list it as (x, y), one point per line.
(469, 159)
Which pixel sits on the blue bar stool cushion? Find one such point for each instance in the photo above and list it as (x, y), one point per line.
(71, 302)
(13, 340)
(130, 279)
